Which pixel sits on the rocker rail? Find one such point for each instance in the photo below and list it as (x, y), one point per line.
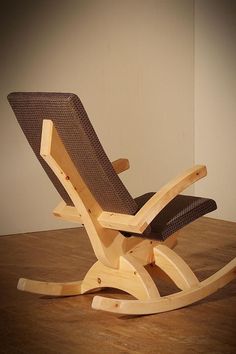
(170, 302)
(134, 279)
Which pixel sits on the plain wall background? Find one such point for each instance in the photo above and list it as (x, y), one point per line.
(215, 101)
(132, 64)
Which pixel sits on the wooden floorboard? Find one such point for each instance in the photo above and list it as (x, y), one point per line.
(42, 325)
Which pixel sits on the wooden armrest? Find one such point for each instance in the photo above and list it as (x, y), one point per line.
(138, 223)
(120, 165)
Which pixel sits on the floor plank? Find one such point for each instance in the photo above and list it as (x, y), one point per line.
(36, 324)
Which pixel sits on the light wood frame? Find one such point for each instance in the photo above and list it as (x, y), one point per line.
(122, 262)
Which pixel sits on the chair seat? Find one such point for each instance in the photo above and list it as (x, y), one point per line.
(181, 211)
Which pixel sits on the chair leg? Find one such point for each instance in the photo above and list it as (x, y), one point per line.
(130, 277)
(175, 267)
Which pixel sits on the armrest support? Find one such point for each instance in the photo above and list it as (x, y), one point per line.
(138, 223)
(120, 165)
(68, 213)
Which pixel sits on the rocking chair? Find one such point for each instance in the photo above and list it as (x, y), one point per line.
(127, 235)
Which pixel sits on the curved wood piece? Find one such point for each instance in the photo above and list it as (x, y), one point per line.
(171, 302)
(49, 288)
(175, 267)
(107, 244)
(137, 223)
(131, 277)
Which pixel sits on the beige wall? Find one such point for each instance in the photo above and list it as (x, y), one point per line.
(131, 63)
(215, 101)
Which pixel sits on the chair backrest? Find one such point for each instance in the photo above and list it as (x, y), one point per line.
(80, 140)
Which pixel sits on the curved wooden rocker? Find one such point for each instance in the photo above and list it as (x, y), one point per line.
(132, 238)
(193, 290)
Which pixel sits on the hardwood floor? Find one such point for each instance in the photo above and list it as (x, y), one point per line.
(42, 325)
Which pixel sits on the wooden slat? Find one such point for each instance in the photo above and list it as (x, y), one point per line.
(67, 213)
(120, 165)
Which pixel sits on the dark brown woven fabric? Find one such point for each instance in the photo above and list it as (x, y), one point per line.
(81, 142)
(181, 211)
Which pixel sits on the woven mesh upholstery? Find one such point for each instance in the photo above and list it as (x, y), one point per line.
(81, 142)
(181, 211)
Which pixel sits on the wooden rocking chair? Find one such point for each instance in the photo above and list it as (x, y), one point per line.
(133, 239)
